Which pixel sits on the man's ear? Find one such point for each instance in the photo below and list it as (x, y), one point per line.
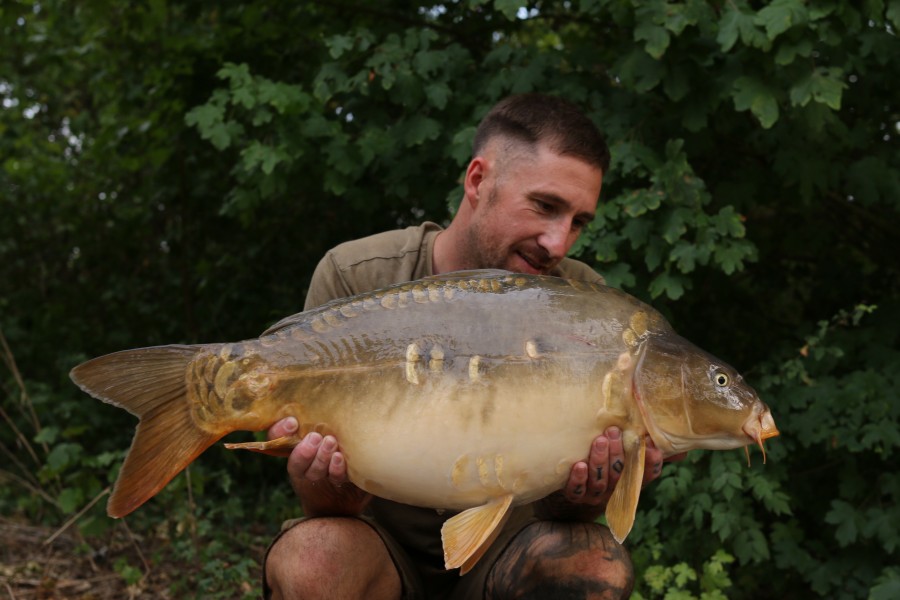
(475, 178)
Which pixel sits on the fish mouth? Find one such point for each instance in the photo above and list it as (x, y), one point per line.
(760, 429)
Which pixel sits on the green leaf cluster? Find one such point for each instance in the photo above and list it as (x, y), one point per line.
(668, 222)
(682, 582)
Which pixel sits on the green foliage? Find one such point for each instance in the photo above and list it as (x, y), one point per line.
(129, 573)
(887, 585)
(667, 222)
(681, 582)
(221, 566)
(172, 172)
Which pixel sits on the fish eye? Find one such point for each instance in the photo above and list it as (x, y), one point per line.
(721, 379)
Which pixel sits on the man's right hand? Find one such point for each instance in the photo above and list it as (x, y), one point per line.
(318, 473)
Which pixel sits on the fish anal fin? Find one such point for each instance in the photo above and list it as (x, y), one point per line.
(622, 505)
(277, 447)
(468, 535)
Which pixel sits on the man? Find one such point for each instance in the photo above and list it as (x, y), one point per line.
(532, 185)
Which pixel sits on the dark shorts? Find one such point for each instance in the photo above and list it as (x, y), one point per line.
(424, 581)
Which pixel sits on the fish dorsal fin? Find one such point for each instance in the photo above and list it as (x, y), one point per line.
(469, 274)
(285, 323)
(468, 535)
(302, 317)
(623, 504)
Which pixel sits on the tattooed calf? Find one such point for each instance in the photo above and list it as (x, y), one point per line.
(562, 560)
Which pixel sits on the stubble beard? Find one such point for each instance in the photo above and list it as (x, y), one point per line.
(481, 253)
(478, 252)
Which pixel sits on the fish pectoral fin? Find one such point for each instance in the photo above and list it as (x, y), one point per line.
(622, 505)
(468, 535)
(278, 447)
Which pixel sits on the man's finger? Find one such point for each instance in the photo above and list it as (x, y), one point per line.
(322, 462)
(616, 455)
(598, 467)
(576, 487)
(653, 462)
(283, 428)
(337, 469)
(303, 456)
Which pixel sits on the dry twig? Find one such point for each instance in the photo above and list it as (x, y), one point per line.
(76, 516)
(31, 488)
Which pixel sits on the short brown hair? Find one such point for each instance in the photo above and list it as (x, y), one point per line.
(534, 118)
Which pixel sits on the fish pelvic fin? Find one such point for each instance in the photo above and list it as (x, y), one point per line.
(278, 447)
(622, 506)
(468, 535)
(149, 383)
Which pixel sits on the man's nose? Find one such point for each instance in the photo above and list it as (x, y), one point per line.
(557, 238)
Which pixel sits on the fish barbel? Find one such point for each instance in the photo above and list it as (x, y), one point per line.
(474, 391)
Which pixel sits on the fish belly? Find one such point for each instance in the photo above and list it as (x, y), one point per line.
(449, 445)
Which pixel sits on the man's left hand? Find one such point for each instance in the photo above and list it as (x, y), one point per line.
(592, 481)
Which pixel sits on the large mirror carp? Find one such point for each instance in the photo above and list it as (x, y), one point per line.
(474, 391)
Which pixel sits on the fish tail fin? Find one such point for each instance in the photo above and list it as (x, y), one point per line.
(150, 383)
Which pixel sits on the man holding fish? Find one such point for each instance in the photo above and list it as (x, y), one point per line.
(532, 185)
(492, 392)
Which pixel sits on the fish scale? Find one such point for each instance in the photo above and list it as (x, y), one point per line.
(473, 391)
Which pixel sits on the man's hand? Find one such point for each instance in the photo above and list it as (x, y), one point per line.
(592, 482)
(318, 473)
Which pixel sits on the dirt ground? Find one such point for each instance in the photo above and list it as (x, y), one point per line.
(30, 568)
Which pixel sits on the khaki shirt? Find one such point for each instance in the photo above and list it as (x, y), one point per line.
(393, 257)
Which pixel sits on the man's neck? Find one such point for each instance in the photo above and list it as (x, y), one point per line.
(441, 261)
(449, 252)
